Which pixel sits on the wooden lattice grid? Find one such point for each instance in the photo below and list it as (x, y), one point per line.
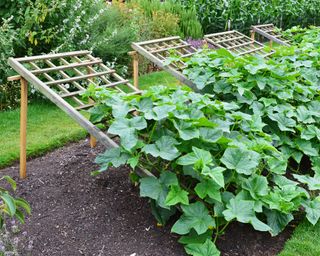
(64, 77)
(69, 75)
(237, 43)
(270, 32)
(158, 51)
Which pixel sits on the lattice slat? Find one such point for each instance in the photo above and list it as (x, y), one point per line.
(269, 31)
(237, 43)
(158, 51)
(63, 77)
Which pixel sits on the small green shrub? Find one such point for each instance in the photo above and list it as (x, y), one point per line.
(12, 207)
(188, 23)
(164, 24)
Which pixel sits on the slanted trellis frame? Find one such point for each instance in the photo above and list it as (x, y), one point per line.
(78, 69)
(269, 31)
(158, 50)
(237, 43)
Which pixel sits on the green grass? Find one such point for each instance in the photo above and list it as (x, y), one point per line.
(157, 78)
(304, 241)
(49, 127)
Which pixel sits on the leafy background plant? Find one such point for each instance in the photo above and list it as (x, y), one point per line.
(218, 15)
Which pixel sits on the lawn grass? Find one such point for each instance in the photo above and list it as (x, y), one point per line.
(49, 127)
(304, 241)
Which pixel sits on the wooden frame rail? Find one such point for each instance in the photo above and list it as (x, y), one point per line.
(269, 31)
(158, 51)
(237, 43)
(62, 78)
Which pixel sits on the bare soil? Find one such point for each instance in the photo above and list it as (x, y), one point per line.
(77, 214)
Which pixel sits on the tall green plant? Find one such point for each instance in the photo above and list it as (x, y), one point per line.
(188, 22)
(216, 15)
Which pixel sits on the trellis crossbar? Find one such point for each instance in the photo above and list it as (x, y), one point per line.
(63, 78)
(159, 50)
(237, 43)
(269, 31)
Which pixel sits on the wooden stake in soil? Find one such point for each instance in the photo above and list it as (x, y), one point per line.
(23, 128)
(93, 140)
(135, 64)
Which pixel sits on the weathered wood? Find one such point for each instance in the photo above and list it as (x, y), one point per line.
(226, 40)
(240, 45)
(23, 128)
(135, 65)
(59, 86)
(236, 42)
(170, 48)
(77, 78)
(143, 49)
(160, 40)
(115, 75)
(65, 67)
(253, 35)
(93, 141)
(52, 56)
(27, 75)
(275, 38)
(66, 107)
(14, 78)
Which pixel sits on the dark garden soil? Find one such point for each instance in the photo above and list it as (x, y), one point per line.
(77, 214)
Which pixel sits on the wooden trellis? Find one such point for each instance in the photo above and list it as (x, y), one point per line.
(62, 78)
(158, 51)
(269, 31)
(237, 43)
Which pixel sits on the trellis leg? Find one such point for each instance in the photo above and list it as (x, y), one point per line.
(135, 63)
(93, 140)
(271, 44)
(253, 35)
(23, 128)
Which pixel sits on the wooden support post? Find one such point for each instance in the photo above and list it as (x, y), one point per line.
(23, 128)
(253, 35)
(93, 140)
(135, 63)
(271, 44)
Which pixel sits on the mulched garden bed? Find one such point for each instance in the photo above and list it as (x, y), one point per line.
(77, 214)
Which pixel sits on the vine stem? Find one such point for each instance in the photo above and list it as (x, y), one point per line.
(152, 132)
(221, 231)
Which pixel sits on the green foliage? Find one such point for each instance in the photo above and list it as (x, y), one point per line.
(10, 206)
(215, 181)
(163, 12)
(48, 128)
(217, 15)
(302, 36)
(235, 154)
(9, 96)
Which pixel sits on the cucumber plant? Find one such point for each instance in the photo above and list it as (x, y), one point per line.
(246, 149)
